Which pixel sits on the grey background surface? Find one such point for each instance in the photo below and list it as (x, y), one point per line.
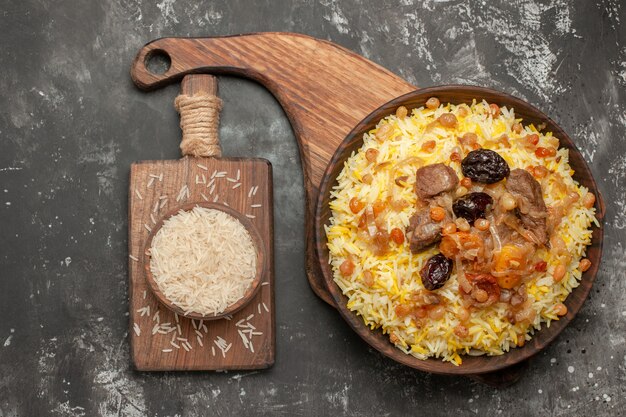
(72, 122)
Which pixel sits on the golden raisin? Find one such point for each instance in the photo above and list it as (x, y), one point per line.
(356, 205)
(560, 309)
(540, 171)
(532, 139)
(383, 132)
(559, 273)
(379, 206)
(346, 268)
(447, 120)
(401, 112)
(432, 103)
(367, 179)
(494, 109)
(589, 200)
(461, 331)
(429, 146)
(401, 181)
(466, 182)
(584, 265)
(397, 236)
(437, 214)
(371, 154)
(449, 228)
(541, 152)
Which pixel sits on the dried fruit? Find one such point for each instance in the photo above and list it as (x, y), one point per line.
(485, 166)
(356, 205)
(397, 236)
(436, 271)
(432, 103)
(472, 206)
(447, 120)
(346, 268)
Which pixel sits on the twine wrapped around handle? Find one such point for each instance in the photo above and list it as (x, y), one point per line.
(199, 109)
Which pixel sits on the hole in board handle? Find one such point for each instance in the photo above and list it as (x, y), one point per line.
(157, 62)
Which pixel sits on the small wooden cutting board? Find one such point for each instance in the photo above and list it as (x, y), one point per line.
(163, 341)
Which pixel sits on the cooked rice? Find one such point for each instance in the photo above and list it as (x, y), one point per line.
(203, 260)
(397, 273)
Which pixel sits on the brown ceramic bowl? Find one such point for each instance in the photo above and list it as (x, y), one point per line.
(260, 262)
(472, 365)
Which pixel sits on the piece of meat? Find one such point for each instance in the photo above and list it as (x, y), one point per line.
(434, 179)
(531, 209)
(423, 231)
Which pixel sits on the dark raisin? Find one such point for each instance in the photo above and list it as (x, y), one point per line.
(485, 165)
(436, 271)
(472, 206)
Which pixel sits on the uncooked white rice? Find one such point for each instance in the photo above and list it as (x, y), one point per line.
(203, 260)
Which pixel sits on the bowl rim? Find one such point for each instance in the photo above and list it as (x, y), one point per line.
(483, 364)
(260, 261)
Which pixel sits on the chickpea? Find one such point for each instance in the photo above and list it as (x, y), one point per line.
(462, 224)
(432, 103)
(507, 202)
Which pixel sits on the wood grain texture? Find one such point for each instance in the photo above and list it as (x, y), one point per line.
(147, 203)
(324, 89)
(471, 365)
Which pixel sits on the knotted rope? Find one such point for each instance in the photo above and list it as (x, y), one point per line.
(199, 121)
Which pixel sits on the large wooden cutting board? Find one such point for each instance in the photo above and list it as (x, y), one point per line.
(324, 89)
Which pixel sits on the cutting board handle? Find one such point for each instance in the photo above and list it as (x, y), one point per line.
(199, 108)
